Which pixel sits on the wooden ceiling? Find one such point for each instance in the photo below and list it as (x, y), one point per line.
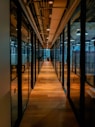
(47, 17)
(42, 15)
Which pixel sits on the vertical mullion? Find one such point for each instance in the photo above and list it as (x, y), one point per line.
(82, 62)
(38, 57)
(19, 65)
(35, 57)
(61, 56)
(63, 59)
(32, 59)
(68, 62)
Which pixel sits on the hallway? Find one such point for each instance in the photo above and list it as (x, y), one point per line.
(48, 105)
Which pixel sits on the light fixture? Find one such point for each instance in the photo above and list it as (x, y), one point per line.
(72, 40)
(50, 2)
(50, 15)
(86, 33)
(93, 39)
(78, 44)
(48, 29)
(87, 41)
(79, 32)
(65, 42)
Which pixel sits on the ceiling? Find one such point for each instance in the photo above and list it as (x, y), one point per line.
(46, 16)
(47, 19)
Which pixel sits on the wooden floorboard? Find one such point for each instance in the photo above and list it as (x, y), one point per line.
(48, 105)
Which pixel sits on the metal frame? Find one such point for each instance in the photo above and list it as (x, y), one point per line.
(68, 62)
(19, 65)
(32, 59)
(63, 60)
(82, 62)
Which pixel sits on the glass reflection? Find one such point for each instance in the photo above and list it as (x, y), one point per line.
(65, 59)
(26, 53)
(13, 63)
(75, 34)
(90, 65)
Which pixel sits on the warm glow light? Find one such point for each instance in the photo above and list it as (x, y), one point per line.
(48, 29)
(50, 2)
(50, 15)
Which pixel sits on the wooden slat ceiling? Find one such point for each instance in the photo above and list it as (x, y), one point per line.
(45, 16)
(48, 16)
(58, 10)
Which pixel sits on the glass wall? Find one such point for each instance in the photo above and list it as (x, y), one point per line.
(52, 55)
(58, 62)
(34, 60)
(13, 64)
(41, 56)
(65, 58)
(25, 62)
(90, 48)
(61, 55)
(37, 56)
(56, 57)
(46, 54)
(75, 33)
(26, 53)
(90, 64)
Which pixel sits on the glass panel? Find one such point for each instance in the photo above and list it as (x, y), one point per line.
(34, 57)
(75, 34)
(25, 62)
(58, 58)
(13, 58)
(37, 55)
(65, 59)
(90, 65)
(61, 53)
(41, 56)
(46, 54)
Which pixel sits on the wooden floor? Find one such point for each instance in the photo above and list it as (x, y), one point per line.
(48, 105)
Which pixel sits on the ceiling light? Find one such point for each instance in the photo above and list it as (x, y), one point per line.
(77, 44)
(72, 40)
(50, 15)
(48, 29)
(93, 39)
(79, 32)
(87, 41)
(86, 33)
(50, 2)
(65, 42)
